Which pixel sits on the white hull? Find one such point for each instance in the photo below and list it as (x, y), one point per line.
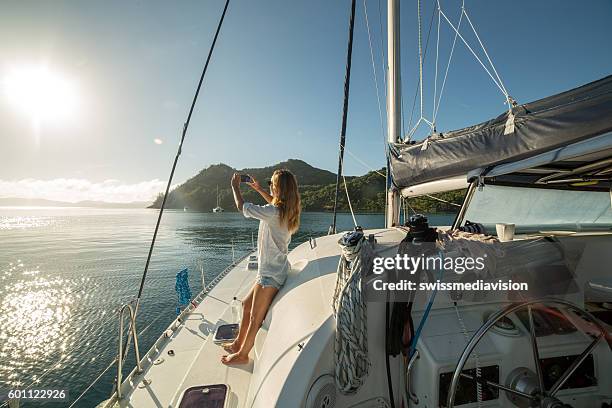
(295, 346)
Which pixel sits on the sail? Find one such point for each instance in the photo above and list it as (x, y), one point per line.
(538, 127)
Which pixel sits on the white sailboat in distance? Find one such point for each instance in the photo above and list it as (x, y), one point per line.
(218, 208)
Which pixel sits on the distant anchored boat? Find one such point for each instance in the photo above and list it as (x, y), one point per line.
(218, 208)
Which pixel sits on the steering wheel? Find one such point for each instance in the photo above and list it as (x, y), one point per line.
(534, 394)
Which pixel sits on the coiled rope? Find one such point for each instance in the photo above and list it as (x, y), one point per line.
(351, 344)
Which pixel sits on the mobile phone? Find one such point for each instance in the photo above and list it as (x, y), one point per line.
(245, 178)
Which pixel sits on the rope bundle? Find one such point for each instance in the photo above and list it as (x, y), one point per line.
(351, 344)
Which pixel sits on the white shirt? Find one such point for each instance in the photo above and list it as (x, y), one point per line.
(272, 241)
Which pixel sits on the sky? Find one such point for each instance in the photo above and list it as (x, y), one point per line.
(119, 77)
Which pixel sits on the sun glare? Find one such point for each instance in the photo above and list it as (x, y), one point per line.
(41, 94)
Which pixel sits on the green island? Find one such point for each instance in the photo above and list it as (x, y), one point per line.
(317, 189)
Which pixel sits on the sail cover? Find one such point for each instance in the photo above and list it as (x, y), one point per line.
(539, 126)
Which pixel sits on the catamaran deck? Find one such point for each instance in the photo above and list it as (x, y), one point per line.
(195, 359)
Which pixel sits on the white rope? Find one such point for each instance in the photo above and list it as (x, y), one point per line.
(93, 383)
(433, 114)
(416, 126)
(348, 198)
(57, 363)
(441, 200)
(412, 130)
(349, 307)
(420, 56)
(422, 118)
(437, 97)
(450, 57)
(408, 205)
(503, 91)
(486, 53)
(382, 54)
(383, 57)
(366, 165)
(382, 123)
(384, 64)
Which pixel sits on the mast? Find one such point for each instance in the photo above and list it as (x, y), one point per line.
(394, 102)
(217, 196)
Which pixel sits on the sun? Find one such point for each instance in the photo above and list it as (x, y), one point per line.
(41, 94)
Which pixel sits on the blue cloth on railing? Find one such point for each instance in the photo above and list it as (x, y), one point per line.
(183, 291)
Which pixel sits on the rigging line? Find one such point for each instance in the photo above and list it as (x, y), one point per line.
(382, 52)
(383, 63)
(382, 125)
(402, 110)
(167, 191)
(93, 383)
(49, 369)
(178, 153)
(106, 369)
(61, 359)
(416, 90)
(354, 156)
(348, 199)
(400, 210)
(55, 364)
(44, 373)
(420, 55)
(450, 57)
(474, 54)
(409, 206)
(486, 53)
(150, 324)
(441, 200)
(433, 113)
(99, 376)
(347, 82)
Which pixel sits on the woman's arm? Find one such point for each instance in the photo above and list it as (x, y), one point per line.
(236, 190)
(255, 186)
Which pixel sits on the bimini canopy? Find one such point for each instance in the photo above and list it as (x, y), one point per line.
(541, 126)
(583, 165)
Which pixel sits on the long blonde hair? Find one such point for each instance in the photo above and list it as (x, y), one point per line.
(287, 198)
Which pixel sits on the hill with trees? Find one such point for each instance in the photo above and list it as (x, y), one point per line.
(317, 189)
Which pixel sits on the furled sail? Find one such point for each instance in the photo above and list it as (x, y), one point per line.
(535, 127)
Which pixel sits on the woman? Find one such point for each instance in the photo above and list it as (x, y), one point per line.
(278, 220)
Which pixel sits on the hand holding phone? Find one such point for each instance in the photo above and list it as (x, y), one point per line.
(245, 178)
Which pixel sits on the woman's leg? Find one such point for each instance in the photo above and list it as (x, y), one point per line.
(247, 303)
(262, 298)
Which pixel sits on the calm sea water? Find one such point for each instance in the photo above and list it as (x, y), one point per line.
(65, 271)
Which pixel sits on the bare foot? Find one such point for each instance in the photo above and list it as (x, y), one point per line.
(235, 358)
(232, 347)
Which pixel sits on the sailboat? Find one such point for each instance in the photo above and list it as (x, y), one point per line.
(543, 167)
(218, 208)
